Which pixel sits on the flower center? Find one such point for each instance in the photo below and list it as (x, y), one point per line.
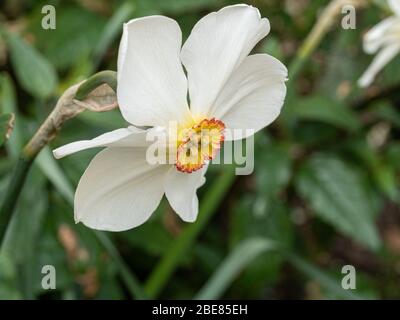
(198, 144)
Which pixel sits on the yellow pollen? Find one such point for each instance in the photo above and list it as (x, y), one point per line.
(198, 144)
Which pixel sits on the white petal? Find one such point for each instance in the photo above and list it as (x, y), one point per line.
(152, 86)
(218, 43)
(119, 190)
(381, 35)
(395, 6)
(253, 96)
(180, 190)
(381, 59)
(123, 137)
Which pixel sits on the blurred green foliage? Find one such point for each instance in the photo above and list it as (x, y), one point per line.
(324, 193)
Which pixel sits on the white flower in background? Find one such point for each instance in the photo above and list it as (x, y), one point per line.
(227, 88)
(385, 38)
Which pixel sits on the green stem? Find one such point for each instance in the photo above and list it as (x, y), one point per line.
(318, 32)
(309, 45)
(173, 256)
(13, 191)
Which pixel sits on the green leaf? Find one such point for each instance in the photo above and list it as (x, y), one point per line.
(8, 278)
(172, 6)
(173, 256)
(336, 194)
(9, 105)
(328, 111)
(35, 74)
(236, 261)
(381, 172)
(77, 34)
(53, 172)
(129, 278)
(23, 232)
(112, 29)
(273, 169)
(6, 127)
(27, 219)
(329, 283)
(387, 112)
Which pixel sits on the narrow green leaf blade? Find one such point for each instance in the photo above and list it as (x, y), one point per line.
(335, 193)
(112, 29)
(50, 168)
(35, 74)
(328, 282)
(8, 103)
(241, 257)
(173, 256)
(323, 109)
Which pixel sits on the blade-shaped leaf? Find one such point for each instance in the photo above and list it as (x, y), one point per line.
(325, 110)
(336, 194)
(328, 282)
(9, 105)
(241, 257)
(53, 172)
(112, 29)
(35, 74)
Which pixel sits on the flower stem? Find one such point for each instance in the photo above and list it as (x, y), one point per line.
(309, 45)
(320, 29)
(107, 76)
(64, 110)
(173, 256)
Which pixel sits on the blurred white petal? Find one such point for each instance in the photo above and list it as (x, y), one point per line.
(382, 34)
(382, 58)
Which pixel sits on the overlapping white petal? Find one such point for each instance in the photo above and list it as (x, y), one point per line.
(124, 137)
(253, 96)
(152, 86)
(217, 45)
(119, 190)
(180, 190)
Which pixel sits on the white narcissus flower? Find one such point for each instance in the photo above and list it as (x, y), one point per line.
(228, 88)
(385, 38)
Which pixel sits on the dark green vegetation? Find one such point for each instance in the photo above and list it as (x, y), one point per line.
(324, 193)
